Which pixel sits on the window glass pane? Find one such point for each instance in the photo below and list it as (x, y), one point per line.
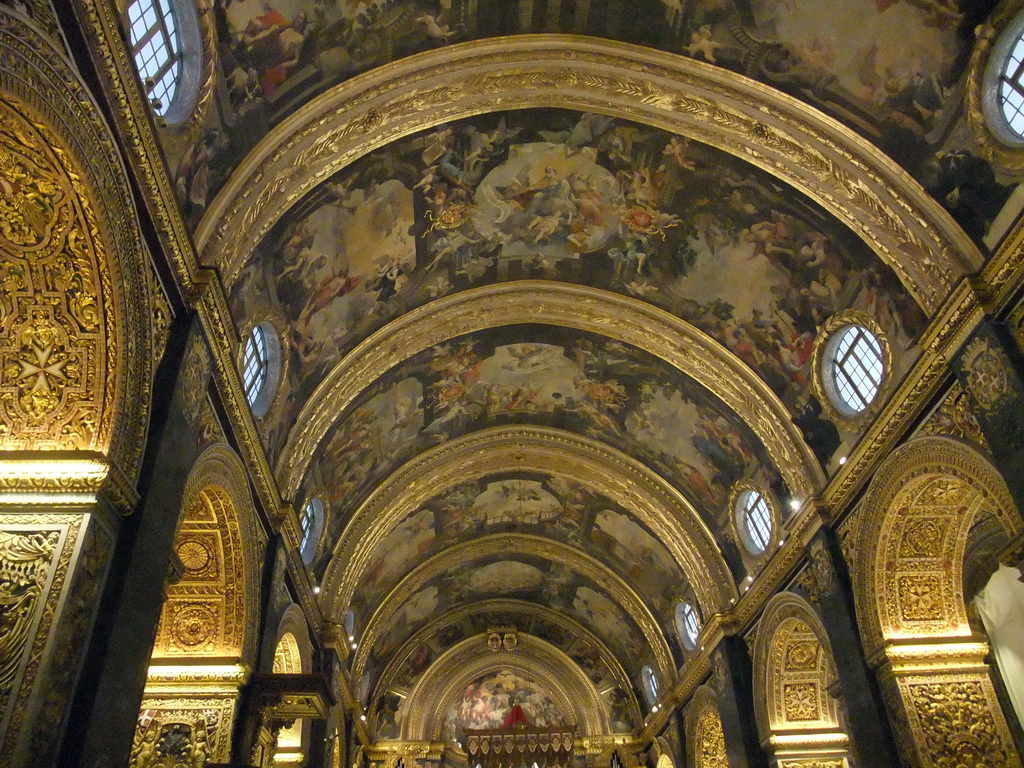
(1011, 90)
(155, 48)
(857, 369)
(254, 364)
(757, 521)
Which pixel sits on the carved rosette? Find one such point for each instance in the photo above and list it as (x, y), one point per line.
(55, 299)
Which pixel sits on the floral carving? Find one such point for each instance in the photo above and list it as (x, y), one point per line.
(25, 560)
(957, 726)
(923, 538)
(53, 344)
(711, 740)
(802, 655)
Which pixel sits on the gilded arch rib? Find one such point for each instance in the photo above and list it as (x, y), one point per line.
(813, 153)
(624, 480)
(607, 580)
(627, 320)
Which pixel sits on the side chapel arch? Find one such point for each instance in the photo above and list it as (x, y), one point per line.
(210, 614)
(705, 739)
(793, 670)
(293, 655)
(910, 604)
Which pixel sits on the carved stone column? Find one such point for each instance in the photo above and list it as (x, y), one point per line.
(734, 681)
(942, 703)
(55, 553)
(829, 588)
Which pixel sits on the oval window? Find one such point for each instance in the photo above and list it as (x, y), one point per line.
(261, 366)
(853, 369)
(687, 625)
(754, 520)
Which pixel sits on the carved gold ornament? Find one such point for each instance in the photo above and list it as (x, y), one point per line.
(74, 272)
(815, 154)
(988, 374)
(53, 345)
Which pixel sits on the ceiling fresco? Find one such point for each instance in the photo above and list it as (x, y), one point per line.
(550, 194)
(890, 69)
(541, 505)
(576, 381)
(643, 218)
(508, 575)
(615, 690)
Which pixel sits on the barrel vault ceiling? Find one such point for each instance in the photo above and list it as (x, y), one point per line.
(535, 338)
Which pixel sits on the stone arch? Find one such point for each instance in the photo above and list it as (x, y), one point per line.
(705, 739)
(793, 671)
(814, 153)
(678, 343)
(622, 478)
(209, 623)
(915, 522)
(213, 609)
(80, 289)
(533, 658)
(294, 647)
(293, 655)
(912, 537)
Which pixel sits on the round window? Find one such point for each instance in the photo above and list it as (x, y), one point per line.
(754, 521)
(853, 369)
(687, 625)
(261, 366)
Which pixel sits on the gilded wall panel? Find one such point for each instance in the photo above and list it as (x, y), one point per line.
(205, 610)
(55, 386)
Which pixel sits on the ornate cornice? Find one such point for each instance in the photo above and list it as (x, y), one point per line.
(508, 607)
(448, 676)
(657, 332)
(817, 155)
(624, 480)
(518, 544)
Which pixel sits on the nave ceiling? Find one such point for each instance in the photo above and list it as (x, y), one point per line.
(533, 346)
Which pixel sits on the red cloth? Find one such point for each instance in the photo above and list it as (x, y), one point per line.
(516, 718)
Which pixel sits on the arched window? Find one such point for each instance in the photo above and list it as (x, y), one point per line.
(156, 48)
(854, 369)
(687, 625)
(754, 520)
(310, 521)
(650, 681)
(261, 366)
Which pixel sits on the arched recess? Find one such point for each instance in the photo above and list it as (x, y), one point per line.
(509, 608)
(814, 153)
(705, 739)
(533, 659)
(82, 318)
(621, 318)
(293, 655)
(483, 547)
(206, 639)
(798, 719)
(910, 604)
(625, 481)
